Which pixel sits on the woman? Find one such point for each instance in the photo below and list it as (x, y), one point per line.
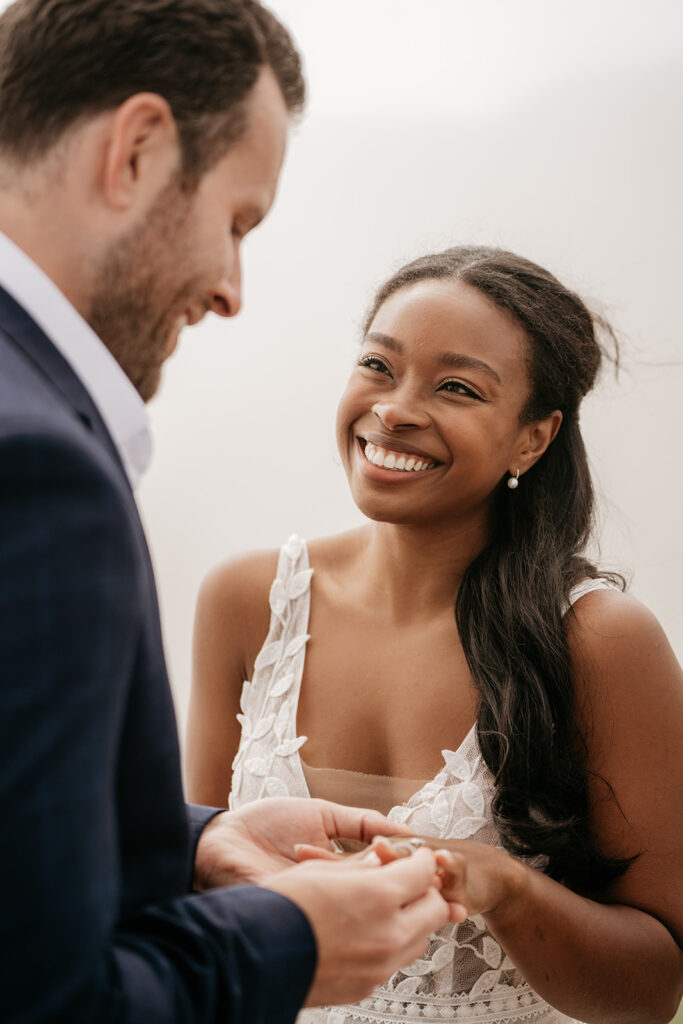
(537, 732)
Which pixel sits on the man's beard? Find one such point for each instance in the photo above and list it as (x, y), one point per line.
(139, 291)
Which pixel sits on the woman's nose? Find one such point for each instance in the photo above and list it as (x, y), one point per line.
(401, 412)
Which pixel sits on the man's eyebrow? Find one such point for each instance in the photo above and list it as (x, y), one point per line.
(453, 360)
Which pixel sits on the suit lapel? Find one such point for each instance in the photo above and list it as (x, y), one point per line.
(49, 361)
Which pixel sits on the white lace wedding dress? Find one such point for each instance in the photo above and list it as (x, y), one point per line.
(465, 975)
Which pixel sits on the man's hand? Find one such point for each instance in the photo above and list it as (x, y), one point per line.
(260, 839)
(368, 920)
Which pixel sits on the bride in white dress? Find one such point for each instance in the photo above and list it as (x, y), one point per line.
(459, 664)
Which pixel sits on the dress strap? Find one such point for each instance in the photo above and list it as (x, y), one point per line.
(586, 586)
(267, 762)
(289, 596)
(289, 606)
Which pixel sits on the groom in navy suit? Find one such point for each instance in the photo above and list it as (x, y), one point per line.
(140, 140)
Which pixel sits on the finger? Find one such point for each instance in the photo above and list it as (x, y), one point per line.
(453, 872)
(305, 851)
(308, 854)
(447, 867)
(446, 860)
(390, 848)
(412, 875)
(375, 824)
(385, 852)
(458, 912)
(357, 822)
(426, 914)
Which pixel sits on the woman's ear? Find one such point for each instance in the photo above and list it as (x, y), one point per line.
(142, 151)
(535, 438)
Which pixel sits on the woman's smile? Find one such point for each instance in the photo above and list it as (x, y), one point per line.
(395, 461)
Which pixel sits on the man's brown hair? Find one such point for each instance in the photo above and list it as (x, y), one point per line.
(66, 60)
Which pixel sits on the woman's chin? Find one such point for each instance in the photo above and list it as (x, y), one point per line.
(382, 510)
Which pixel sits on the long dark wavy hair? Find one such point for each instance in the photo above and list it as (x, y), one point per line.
(513, 598)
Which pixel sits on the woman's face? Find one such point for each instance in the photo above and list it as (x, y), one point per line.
(429, 423)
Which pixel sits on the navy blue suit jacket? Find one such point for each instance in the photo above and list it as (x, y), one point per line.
(97, 923)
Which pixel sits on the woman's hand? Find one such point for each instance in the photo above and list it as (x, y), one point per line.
(475, 878)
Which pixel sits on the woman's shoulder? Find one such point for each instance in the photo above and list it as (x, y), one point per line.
(623, 664)
(246, 576)
(237, 590)
(608, 624)
(233, 614)
(603, 614)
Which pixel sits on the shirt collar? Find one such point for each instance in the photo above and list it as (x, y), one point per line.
(119, 404)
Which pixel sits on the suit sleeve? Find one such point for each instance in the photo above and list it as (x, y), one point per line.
(70, 620)
(198, 818)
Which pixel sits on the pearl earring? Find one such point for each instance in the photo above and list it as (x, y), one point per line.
(513, 481)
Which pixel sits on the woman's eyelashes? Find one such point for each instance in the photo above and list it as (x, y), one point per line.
(456, 387)
(451, 386)
(374, 363)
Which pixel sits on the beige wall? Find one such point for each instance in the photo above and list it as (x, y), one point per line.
(551, 129)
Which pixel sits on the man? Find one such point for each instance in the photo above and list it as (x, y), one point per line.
(140, 140)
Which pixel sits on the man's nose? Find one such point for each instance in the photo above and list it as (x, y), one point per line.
(226, 299)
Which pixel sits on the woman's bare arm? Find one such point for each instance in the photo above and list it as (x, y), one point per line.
(231, 623)
(618, 959)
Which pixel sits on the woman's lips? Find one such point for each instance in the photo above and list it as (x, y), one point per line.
(398, 445)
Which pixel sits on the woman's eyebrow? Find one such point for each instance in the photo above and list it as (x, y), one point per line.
(459, 361)
(385, 339)
(453, 360)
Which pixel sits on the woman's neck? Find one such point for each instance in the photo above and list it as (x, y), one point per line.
(415, 571)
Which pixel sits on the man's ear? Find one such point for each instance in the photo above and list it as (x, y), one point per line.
(142, 151)
(534, 440)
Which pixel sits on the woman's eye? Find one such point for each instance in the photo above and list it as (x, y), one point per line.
(373, 363)
(456, 387)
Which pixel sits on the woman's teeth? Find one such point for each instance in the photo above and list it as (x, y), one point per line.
(395, 460)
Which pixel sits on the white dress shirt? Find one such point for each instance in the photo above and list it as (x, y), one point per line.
(117, 401)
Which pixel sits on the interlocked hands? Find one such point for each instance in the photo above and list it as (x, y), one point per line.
(368, 919)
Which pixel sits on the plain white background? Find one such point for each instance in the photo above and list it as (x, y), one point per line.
(549, 128)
